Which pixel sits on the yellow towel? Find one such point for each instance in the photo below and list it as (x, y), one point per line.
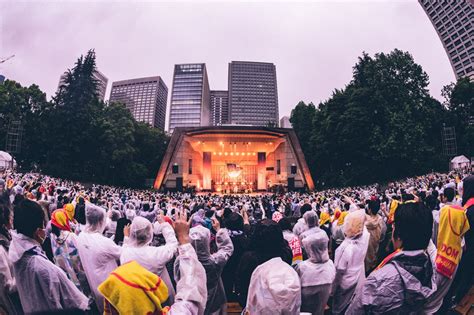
(453, 224)
(325, 217)
(342, 217)
(70, 211)
(393, 207)
(132, 289)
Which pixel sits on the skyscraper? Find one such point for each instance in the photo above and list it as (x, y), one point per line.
(145, 98)
(190, 97)
(219, 108)
(285, 122)
(453, 21)
(253, 95)
(99, 76)
(2, 78)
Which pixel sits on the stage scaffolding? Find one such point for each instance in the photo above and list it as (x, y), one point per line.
(13, 138)
(448, 136)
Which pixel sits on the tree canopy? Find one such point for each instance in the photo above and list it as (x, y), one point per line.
(383, 125)
(78, 136)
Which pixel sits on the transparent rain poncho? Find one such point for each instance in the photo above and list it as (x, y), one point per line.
(96, 218)
(213, 264)
(274, 289)
(316, 274)
(312, 222)
(42, 286)
(141, 232)
(153, 258)
(99, 254)
(130, 214)
(349, 260)
(311, 219)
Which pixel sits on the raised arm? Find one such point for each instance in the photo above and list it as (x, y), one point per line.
(191, 290)
(225, 248)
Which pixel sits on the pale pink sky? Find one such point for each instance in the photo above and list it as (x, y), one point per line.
(314, 44)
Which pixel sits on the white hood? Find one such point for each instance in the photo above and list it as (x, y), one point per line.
(19, 245)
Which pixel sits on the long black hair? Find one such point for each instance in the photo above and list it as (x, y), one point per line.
(468, 189)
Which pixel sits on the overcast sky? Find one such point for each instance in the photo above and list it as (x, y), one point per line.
(314, 45)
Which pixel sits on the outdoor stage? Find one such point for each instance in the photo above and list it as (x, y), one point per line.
(233, 160)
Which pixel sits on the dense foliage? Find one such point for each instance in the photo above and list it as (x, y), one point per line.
(383, 125)
(78, 136)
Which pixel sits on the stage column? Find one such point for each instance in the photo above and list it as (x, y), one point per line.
(261, 171)
(206, 171)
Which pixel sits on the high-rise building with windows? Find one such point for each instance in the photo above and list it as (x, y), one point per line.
(253, 94)
(190, 97)
(145, 98)
(285, 122)
(219, 108)
(453, 21)
(101, 80)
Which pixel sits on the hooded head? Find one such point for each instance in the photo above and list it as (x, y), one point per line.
(354, 224)
(274, 289)
(200, 239)
(130, 214)
(311, 219)
(115, 215)
(316, 245)
(95, 218)
(141, 232)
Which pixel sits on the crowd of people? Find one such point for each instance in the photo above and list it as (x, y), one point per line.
(402, 248)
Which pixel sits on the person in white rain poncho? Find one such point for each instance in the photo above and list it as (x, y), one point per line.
(8, 291)
(213, 264)
(99, 254)
(274, 289)
(312, 222)
(190, 276)
(154, 259)
(349, 261)
(42, 286)
(404, 281)
(316, 274)
(301, 225)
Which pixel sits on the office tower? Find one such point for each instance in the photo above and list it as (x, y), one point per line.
(2, 78)
(285, 122)
(253, 95)
(101, 83)
(190, 97)
(219, 108)
(145, 98)
(453, 21)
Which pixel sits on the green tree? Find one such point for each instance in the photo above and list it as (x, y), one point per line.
(77, 125)
(459, 99)
(382, 125)
(29, 106)
(301, 119)
(77, 136)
